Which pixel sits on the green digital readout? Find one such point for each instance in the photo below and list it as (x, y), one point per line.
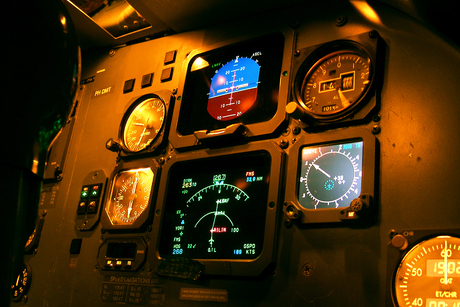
(216, 208)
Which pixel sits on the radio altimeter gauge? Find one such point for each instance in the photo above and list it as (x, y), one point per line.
(429, 274)
(128, 206)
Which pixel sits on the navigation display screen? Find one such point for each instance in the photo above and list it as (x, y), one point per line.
(216, 207)
(330, 175)
(234, 84)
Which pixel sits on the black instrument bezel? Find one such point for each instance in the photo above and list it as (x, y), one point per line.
(368, 187)
(229, 267)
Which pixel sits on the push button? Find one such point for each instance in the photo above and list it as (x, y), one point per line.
(147, 80)
(85, 192)
(170, 57)
(167, 74)
(81, 207)
(95, 190)
(92, 206)
(129, 86)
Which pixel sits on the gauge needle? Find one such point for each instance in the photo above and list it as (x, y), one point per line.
(319, 169)
(133, 192)
(143, 131)
(445, 263)
(343, 99)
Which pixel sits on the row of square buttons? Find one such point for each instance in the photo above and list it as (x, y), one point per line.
(166, 74)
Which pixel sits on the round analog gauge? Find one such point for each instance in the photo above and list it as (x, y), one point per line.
(336, 83)
(130, 196)
(22, 283)
(331, 175)
(143, 124)
(429, 274)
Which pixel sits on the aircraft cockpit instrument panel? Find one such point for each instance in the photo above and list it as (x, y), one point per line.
(233, 90)
(221, 209)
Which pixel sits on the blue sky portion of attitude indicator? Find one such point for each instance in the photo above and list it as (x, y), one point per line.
(233, 89)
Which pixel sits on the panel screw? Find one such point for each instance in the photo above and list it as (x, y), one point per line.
(376, 129)
(372, 34)
(296, 53)
(307, 269)
(341, 21)
(112, 52)
(284, 144)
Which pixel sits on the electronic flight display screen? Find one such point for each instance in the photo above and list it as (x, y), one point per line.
(216, 208)
(234, 84)
(330, 175)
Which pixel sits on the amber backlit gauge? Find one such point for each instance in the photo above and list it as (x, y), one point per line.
(143, 124)
(429, 274)
(130, 196)
(336, 83)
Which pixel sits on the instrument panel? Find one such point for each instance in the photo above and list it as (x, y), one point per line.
(272, 167)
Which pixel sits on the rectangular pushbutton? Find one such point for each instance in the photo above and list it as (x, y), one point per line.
(92, 206)
(170, 57)
(129, 86)
(81, 207)
(95, 190)
(84, 192)
(167, 74)
(147, 80)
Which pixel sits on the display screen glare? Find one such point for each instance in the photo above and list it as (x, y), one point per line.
(216, 207)
(235, 84)
(330, 175)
